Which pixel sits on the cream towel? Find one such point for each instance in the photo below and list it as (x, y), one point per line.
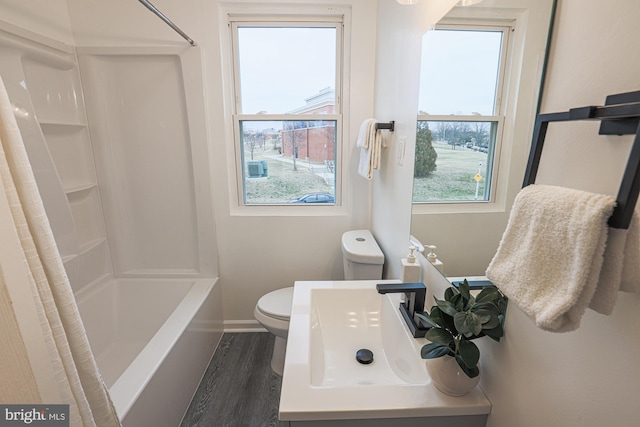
(606, 294)
(549, 260)
(370, 142)
(620, 269)
(631, 266)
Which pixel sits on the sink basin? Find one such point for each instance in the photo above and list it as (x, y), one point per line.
(344, 321)
(322, 380)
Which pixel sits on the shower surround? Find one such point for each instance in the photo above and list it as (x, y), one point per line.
(126, 186)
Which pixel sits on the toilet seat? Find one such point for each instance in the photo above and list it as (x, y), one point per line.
(277, 304)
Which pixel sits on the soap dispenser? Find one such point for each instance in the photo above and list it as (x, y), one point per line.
(433, 258)
(410, 268)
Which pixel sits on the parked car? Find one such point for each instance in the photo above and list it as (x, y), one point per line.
(315, 198)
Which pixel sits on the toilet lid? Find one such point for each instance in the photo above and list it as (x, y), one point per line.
(277, 304)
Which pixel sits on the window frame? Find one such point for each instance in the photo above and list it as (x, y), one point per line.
(499, 112)
(294, 20)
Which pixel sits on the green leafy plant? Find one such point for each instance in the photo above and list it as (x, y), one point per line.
(461, 318)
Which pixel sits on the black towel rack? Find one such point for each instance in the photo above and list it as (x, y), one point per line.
(619, 116)
(386, 126)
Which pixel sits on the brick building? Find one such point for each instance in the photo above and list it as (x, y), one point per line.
(313, 140)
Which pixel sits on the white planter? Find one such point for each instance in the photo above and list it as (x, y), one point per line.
(449, 378)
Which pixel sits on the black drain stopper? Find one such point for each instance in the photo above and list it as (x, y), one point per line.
(364, 356)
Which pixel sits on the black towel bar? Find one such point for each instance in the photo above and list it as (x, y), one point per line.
(386, 126)
(619, 116)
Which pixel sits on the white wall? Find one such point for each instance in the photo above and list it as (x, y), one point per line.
(399, 42)
(589, 377)
(45, 17)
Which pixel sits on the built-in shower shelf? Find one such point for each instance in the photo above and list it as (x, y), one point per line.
(51, 123)
(91, 245)
(45, 82)
(67, 258)
(80, 188)
(85, 248)
(89, 264)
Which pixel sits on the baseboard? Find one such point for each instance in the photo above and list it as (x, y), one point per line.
(243, 326)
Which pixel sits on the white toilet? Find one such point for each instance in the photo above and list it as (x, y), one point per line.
(363, 260)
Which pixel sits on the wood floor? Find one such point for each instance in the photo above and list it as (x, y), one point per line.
(239, 388)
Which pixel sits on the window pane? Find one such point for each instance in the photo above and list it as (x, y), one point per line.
(459, 72)
(287, 70)
(454, 161)
(288, 162)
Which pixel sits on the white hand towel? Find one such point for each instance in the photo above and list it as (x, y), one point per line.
(363, 135)
(376, 155)
(620, 269)
(549, 260)
(606, 294)
(630, 281)
(370, 142)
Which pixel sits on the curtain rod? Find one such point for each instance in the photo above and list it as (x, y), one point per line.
(162, 16)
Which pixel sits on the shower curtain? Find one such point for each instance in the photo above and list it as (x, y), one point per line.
(77, 376)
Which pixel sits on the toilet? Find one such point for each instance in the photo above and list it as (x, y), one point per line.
(273, 311)
(361, 256)
(362, 260)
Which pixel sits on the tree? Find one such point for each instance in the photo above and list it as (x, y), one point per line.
(426, 155)
(294, 135)
(250, 141)
(261, 138)
(441, 131)
(480, 132)
(458, 133)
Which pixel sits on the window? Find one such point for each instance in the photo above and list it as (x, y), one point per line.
(288, 114)
(460, 114)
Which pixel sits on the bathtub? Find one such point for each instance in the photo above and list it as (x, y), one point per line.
(153, 340)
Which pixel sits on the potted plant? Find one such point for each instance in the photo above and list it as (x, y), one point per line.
(455, 322)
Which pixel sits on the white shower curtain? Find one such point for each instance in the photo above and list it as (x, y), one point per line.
(77, 376)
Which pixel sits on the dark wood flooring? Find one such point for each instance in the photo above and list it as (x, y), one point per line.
(239, 388)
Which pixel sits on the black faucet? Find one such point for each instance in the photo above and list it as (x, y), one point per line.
(414, 303)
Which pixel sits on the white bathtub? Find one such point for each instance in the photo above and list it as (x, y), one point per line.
(152, 339)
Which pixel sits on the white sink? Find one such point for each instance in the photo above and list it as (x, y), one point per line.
(330, 322)
(344, 321)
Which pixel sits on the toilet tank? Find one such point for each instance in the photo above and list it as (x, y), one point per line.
(362, 257)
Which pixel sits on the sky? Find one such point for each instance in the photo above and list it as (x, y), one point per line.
(280, 67)
(458, 72)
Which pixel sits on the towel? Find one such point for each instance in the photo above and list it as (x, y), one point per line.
(549, 259)
(631, 267)
(370, 142)
(606, 293)
(620, 269)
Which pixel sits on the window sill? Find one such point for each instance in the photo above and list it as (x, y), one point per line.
(288, 211)
(457, 208)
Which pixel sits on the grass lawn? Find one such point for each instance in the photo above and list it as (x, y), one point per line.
(283, 183)
(453, 177)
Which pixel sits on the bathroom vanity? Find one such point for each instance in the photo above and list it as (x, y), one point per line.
(325, 385)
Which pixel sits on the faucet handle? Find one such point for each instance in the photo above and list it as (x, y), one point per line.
(415, 296)
(386, 288)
